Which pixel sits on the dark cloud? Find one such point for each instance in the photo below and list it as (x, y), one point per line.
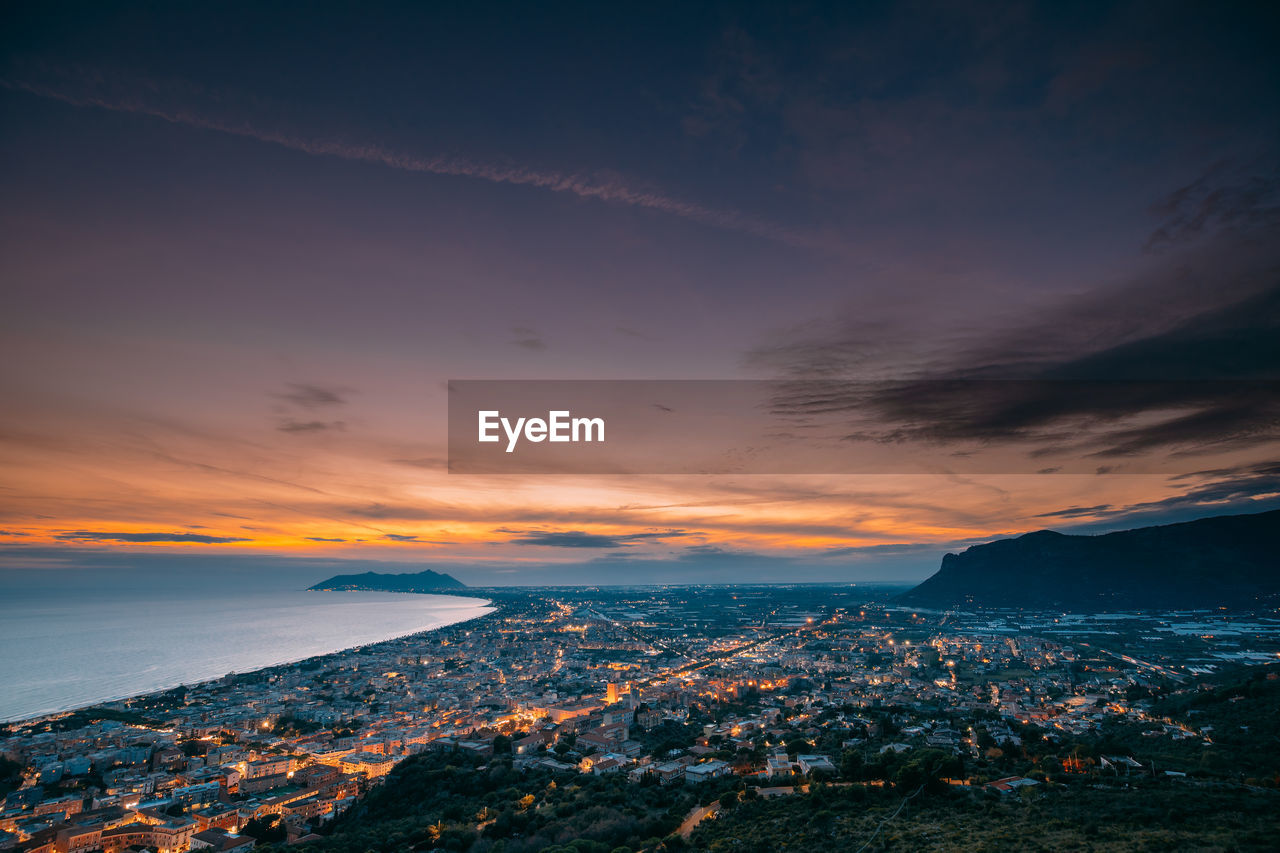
(703, 553)
(1238, 340)
(581, 539)
(386, 511)
(1194, 367)
(310, 426)
(1242, 415)
(1225, 198)
(1175, 319)
(399, 537)
(1076, 511)
(1049, 418)
(1241, 489)
(313, 396)
(1230, 488)
(101, 536)
(528, 338)
(570, 539)
(323, 539)
(900, 549)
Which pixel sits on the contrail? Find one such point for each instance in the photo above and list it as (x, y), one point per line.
(581, 186)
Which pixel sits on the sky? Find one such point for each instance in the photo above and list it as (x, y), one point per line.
(245, 247)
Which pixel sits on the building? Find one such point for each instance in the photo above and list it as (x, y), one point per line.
(810, 764)
(778, 765)
(709, 770)
(220, 841)
(371, 765)
(172, 836)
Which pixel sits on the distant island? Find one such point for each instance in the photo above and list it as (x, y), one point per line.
(1228, 561)
(424, 581)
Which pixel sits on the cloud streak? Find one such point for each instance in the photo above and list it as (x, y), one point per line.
(93, 90)
(310, 426)
(102, 536)
(313, 396)
(583, 539)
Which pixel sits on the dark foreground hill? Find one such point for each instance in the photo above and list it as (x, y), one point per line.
(424, 581)
(421, 807)
(1228, 561)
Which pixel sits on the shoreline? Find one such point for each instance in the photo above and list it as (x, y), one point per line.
(15, 722)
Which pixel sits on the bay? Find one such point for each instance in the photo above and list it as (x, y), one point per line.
(62, 647)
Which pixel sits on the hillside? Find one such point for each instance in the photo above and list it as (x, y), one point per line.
(1228, 561)
(424, 581)
(452, 801)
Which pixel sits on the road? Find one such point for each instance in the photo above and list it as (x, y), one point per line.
(695, 817)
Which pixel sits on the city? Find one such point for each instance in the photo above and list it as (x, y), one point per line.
(775, 690)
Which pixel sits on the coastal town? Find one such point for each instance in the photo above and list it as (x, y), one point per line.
(774, 688)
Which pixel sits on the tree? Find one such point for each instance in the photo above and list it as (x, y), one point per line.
(797, 745)
(851, 765)
(265, 829)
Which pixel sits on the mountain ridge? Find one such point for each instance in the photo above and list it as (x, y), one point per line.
(1222, 561)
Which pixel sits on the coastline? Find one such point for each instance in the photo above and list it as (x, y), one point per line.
(106, 701)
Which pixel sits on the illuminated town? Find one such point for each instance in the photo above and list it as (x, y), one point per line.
(771, 688)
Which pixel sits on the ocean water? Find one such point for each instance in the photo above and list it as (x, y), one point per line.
(62, 647)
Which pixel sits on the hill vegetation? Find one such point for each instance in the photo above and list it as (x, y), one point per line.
(1225, 796)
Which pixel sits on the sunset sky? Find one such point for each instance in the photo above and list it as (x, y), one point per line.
(245, 247)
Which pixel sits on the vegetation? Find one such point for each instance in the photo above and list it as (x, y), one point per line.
(452, 801)
(290, 726)
(1228, 799)
(10, 775)
(88, 716)
(265, 829)
(1155, 816)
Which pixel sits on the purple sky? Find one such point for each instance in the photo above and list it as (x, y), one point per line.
(244, 248)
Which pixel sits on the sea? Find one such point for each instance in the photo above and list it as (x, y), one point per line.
(63, 648)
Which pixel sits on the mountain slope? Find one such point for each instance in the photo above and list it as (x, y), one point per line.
(1227, 561)
(424, 581)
